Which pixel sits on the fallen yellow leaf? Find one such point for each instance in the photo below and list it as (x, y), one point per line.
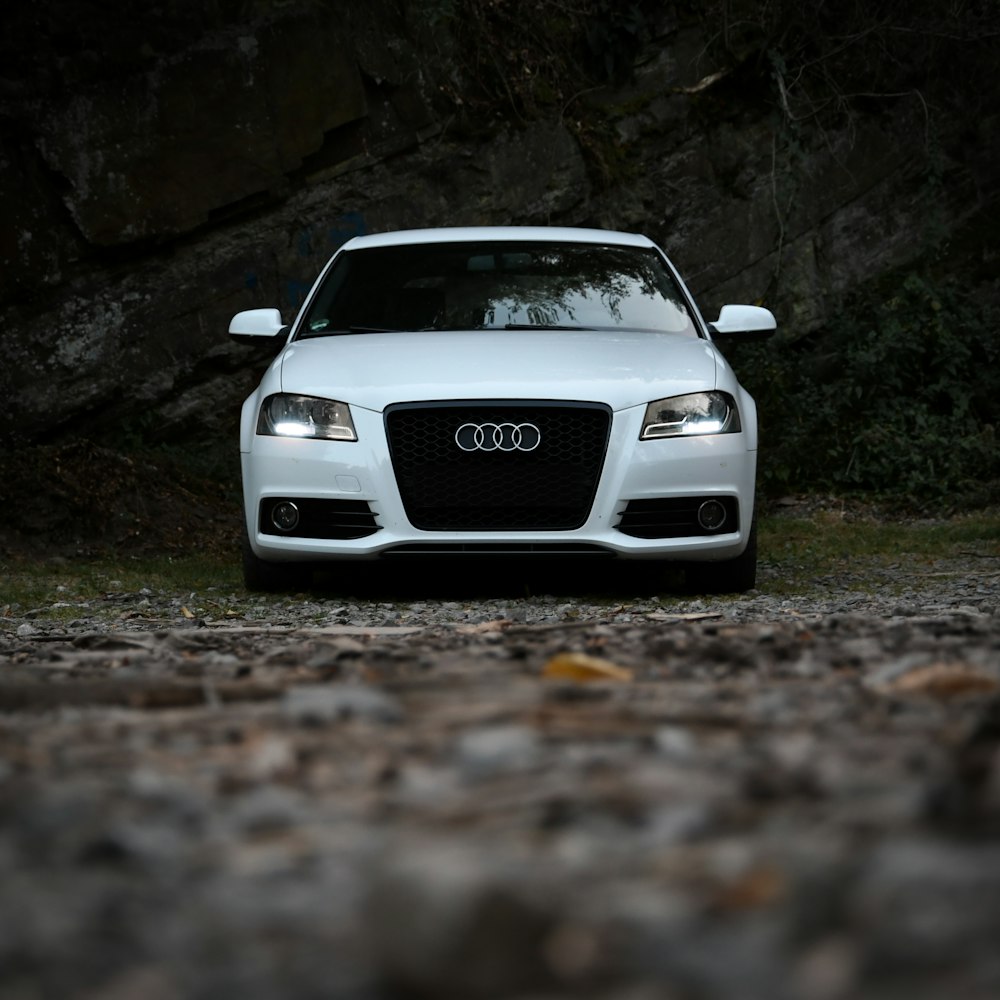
(495, 625)
(581, 667)
(755, 888)
(186, 613)
(945, 680)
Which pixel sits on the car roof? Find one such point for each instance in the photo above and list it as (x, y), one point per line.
(476, 234)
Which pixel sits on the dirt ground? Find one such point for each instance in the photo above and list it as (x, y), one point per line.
(527, 797)
(84, 499)
(483, 791)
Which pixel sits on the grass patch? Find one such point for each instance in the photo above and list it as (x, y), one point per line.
(63, 589)
(801, 554)
(819, 551)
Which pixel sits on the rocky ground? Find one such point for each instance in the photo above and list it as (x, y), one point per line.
(487, 790)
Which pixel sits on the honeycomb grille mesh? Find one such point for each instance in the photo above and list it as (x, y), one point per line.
(551, 487)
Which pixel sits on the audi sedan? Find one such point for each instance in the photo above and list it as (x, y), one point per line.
(499, 391)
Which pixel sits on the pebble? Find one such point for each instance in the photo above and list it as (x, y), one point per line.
(319, 703)
(486, 751)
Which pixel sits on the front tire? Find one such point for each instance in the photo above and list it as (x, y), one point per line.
(269, 577)
(729, 576)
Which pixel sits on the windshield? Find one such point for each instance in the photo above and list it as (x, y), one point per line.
(498, 285)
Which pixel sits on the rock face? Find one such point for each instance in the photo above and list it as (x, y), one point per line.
(156, 181)
(224, 121)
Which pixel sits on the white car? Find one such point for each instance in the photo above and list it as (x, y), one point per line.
(500, 391)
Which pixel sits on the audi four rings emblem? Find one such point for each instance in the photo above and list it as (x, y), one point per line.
(498, 437)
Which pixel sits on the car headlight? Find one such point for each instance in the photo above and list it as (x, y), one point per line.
(285, 415)
(695, 413)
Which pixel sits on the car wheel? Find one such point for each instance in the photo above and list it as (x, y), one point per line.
(730, 576)
(261, 575)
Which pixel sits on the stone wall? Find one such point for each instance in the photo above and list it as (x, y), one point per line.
(147, 202)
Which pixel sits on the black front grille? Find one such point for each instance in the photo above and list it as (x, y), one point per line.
(550, 487)
(674, 517)
(322, 518)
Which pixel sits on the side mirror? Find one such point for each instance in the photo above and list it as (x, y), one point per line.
(257, 327)
(751, 322)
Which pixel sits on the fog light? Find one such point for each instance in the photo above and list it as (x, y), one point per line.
(711, 515)
(285, 516)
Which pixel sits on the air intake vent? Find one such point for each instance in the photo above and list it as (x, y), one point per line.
(677, 517)
(339, 519)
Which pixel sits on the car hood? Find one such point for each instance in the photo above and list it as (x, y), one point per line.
(621, 369)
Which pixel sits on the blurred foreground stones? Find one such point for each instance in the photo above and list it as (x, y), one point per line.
(747, 800)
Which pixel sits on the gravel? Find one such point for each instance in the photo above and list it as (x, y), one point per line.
(378, 796)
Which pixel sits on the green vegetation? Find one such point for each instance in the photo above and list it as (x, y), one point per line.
(64, 589)
(898, 397)
(799, 554)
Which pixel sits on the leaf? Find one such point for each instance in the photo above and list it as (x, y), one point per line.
(758, 887)
(689, 616)
(186, 613)
(494, 625)
(583, 668)
(944, 680)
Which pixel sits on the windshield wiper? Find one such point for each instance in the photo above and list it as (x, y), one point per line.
(542, 326)
(350, 329)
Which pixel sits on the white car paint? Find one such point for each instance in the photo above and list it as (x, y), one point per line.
(622, 369)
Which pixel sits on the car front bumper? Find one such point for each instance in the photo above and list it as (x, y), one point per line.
(708, 466)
